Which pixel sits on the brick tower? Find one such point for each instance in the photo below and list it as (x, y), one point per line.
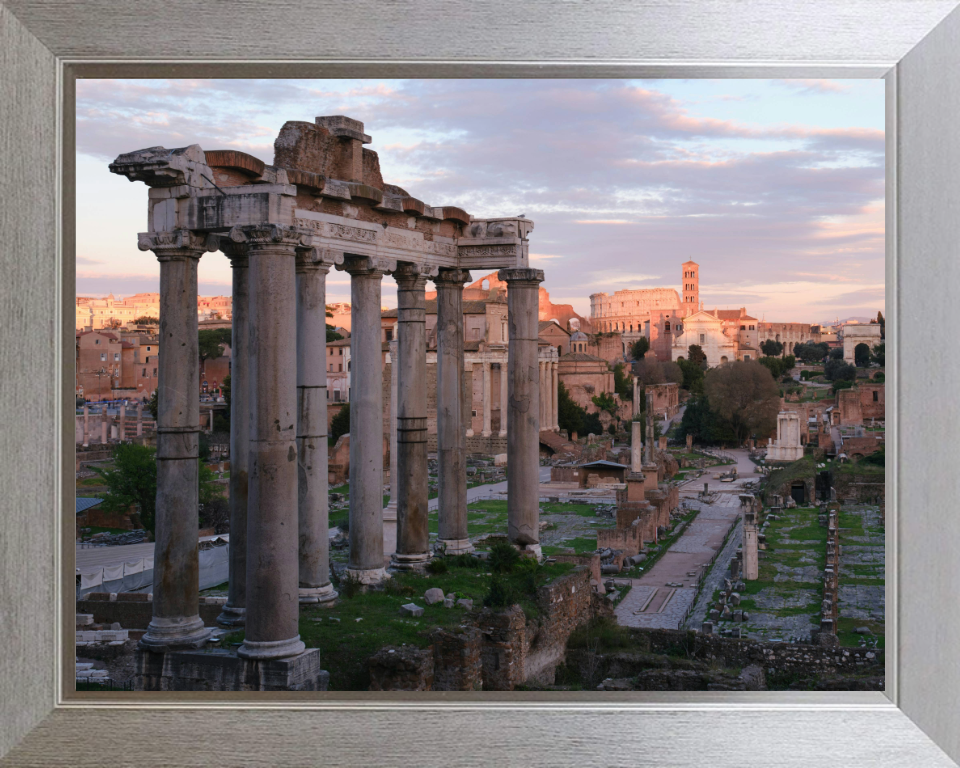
(691, 287)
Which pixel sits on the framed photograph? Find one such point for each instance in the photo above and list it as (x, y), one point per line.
(281, 709)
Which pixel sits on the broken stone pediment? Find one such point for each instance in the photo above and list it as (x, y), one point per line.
(482, 229)
(161, 167)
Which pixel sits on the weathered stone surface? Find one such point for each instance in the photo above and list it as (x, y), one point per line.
(433, 595)
(218, 670)
(403, 668)
(411, 609)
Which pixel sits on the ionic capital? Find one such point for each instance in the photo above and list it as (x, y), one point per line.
(452, 278)
(521, 276)
(178, 244)
(312, 259)
(257, 236)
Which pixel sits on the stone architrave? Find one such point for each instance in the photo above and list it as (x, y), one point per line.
(313, 264)
(366, 563)
(451, 443)
(523, 438)
(412, 489)
(235, 609)
(272, 619)
(176, 621)
(390, 511)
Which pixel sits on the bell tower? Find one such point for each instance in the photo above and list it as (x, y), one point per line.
(691, 287)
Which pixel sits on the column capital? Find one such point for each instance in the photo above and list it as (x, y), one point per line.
(452, 277)
(312, 259)
(521, 275)
(178, 243)
(237, 253)
(357, 266)
(259, 235)
(412, 276)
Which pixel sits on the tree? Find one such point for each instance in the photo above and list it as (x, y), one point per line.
(810, 352)
(835, 369)
(340, 424)
(648, 371)
(883, 324)
(704, 424)
(861, 355)
(692, 376)
(841, 384)
(771, 348)
(153, 406)
(639, 348)
(744, 393)
(774, 365)
(132, 482)
(332, 334)
(695, 354)
(672, 372)
(622, 382)
(836, 354)
(789, 361)
(569, 414)
(212, 341)
(146, 320)
(605, 402)
(878, 355)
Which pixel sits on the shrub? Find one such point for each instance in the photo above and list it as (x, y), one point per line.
(501, 594)
(465, 561)
(437, 566)
(350, 586)
(503, 558)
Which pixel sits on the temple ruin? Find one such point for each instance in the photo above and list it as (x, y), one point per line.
(322, 205)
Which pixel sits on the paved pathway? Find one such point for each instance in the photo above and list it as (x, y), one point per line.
(482, 491)
(651, 603)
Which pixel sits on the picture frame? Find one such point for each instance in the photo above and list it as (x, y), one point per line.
(44, 47)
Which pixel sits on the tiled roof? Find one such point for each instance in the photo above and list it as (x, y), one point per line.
(84, 504)
(582, 357)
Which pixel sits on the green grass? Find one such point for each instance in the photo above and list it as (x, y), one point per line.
(850, 639)
(581, 545)
(370, 620)
(94, 529)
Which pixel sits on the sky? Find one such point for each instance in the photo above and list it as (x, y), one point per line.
(775, 187)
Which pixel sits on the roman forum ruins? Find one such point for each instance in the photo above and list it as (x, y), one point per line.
(323, 204)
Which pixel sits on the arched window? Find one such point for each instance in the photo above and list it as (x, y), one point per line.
(559, 350)
(723, 359)
(666, 326)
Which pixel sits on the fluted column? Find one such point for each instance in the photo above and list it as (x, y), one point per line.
(523, 440)
(366, 423)
(486, 400)
(272, 620)
(451, 441)
(412, 490)
(313, 264)
(176, 621)
(504, 397)
(235, 610)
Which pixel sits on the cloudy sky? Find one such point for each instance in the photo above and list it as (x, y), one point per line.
(776, 188)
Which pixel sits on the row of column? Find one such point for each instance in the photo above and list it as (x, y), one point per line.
(104, 424)
(278, 481)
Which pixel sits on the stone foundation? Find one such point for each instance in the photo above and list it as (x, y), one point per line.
(220, 670)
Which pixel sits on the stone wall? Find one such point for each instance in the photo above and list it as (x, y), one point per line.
(133, 610)
(872, 401)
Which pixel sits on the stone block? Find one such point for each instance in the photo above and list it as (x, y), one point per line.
(465, 603)
(401, 669)
(707, 628)
(84, 619)
(433, 595)
(411, 609)
(448, 602)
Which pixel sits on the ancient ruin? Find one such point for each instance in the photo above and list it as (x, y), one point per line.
(322, 205)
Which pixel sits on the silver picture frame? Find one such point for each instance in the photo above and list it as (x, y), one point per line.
(45, 47)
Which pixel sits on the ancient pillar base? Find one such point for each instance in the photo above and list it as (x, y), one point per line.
(417, 563)
(369, 577)
(325, 595)
(232, 616)
(455, 546)
(264, 650)
(531, 549)
(487, 433)
(173, 634)
(221, 670)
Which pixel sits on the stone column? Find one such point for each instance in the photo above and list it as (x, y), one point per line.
(523, 440)
(176, 621)
(555, 395)
(390, 511)
(86, 425)
(650, 430)
(504, 397)
(451, 443)
(234, 612)
(140, 418)
(487, 431)
(466, 401)
(105, 426)
(366, 422)
(313, 264)
(542, 419)
(636, 447)
(636, 396)
(412, 490)
(123, 422)
(272, 512)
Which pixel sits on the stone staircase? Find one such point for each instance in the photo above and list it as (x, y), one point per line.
(559, 446)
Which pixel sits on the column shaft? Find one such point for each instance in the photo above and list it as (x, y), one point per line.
(312, 490)
(366, 426)
(390, 511)
(234, 611)
(176, 621)
(451, 441)
(555, 395)
(413, 538)
(523, 451)
(86, 425)
(272, 512)
(504, 397)
(486, 400)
